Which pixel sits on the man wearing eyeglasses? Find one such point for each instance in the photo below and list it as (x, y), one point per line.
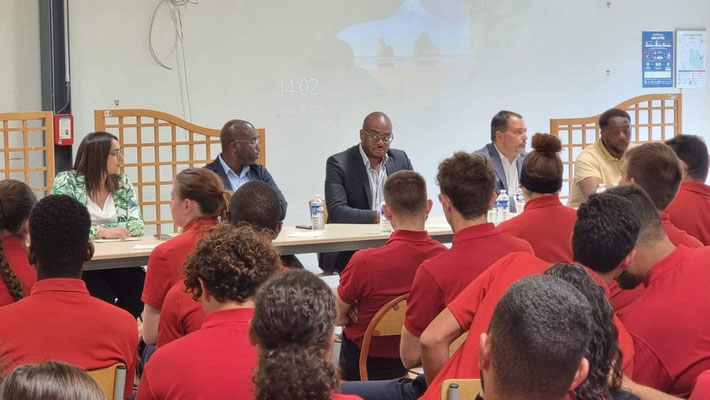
(236, 165)
(354, 180)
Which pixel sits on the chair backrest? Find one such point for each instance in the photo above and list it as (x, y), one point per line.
(112, 380)
(654, 117)
(468, 388)
(457, 343)
(156, 146)
(27, 149)
(388, 321)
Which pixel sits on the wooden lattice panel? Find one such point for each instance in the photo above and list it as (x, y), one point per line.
(157, 146)
(654, 117)
(27, 149)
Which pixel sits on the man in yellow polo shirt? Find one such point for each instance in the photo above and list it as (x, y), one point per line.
(601, 162)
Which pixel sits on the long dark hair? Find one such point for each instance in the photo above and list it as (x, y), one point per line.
(91, 159)
(293, 320)
(16, 201)
(603, 352)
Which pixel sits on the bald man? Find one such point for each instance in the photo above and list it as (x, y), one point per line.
(236, 165)
(354, 180)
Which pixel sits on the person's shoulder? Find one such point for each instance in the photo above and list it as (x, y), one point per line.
(343, 155)
(66, 177)
(123, 179)
(483, 151)
(397, 153)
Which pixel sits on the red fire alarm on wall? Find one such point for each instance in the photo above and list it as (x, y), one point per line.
(63, 129)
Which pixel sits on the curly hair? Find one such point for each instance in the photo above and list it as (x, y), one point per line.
(232, 261)
(603, 352)
(50, 380)
(293, 322)
(16, 202)
(469, 181)
(256, 203)
(59, 228)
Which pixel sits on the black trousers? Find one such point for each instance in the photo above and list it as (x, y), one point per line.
(378, 368)
(121, 286)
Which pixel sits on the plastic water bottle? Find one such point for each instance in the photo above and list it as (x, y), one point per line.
(385, 224)
(601, 188)
(503, 203)
(317, 213)
(519, 201)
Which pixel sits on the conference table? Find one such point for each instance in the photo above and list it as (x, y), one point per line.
(110, 254)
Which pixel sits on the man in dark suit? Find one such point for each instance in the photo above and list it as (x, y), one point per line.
(354, 180)
(507, 151)
(236, 165)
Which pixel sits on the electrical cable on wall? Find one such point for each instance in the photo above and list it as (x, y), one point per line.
(176, 9)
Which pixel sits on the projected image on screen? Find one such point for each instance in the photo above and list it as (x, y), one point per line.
(421, 33)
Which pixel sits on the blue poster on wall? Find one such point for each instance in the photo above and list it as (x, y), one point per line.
(657, 59)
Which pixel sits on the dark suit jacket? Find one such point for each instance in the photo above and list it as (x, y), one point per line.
(348, 194)
(490, 151)
(256, 173)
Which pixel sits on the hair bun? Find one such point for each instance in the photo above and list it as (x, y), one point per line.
(546, 143)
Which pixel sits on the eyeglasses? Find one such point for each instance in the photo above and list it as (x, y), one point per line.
(116, 153)
(374, 138)
(253, 141)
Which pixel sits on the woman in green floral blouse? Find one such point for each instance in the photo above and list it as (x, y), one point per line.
(97, 183)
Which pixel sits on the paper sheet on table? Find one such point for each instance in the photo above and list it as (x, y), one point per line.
(128, 239)
(306, 234)
(145, 246)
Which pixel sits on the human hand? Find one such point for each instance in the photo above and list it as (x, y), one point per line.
(118, 232)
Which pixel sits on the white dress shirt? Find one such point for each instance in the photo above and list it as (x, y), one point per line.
(376, 178)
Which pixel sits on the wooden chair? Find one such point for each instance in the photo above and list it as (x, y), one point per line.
(156, 146)
(27, 149)
(388, 321)
(654, 117)
(457, 343)
(112, 380)
(468, 388)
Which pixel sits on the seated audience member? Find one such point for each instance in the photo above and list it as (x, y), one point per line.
(661, 360)
(216, 361)
(97, 183)
(292, 330)
(656, 169)
(604, 379)
(59, 320)
(236, 165)
(254, 203)
(467, 184)
(506, 151)
(537, 314)
(600, 241)
(354, 181)
(601, 161)
(18, 276)
(690, 209)
(197, 200)
(701, 388)
(373, 277)
(546, 224)
(50, 380)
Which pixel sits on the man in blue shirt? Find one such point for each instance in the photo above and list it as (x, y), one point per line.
(236, 165)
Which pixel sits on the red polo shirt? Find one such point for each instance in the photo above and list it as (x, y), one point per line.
(622, 299)
(670, 322)
(180, 315)
(16, 255)
(677, 236)
(375, 276)
(547, 225)
(166, 259)
(214, 362)
(473, 310)
(690, 210)
(441, 278)
(701, 389)
(61, 321)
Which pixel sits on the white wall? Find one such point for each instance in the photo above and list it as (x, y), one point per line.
(20, 86)
(544, 59)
